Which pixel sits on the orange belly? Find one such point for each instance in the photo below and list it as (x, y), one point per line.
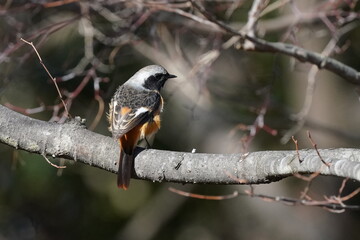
(130, 139)
(150, 127)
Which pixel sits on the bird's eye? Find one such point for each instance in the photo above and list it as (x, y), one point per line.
(155, 81)
(158, 76)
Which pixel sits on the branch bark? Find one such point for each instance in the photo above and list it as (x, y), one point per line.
(72, 141)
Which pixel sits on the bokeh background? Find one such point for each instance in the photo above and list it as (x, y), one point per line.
(219, 98)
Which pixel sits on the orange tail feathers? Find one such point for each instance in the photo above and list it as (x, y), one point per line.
(125, 169)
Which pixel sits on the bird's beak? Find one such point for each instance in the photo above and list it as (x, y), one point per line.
(171, 76)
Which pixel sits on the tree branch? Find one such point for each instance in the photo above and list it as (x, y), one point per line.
(72, 141)
(322, 62)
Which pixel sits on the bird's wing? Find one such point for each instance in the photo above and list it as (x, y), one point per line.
(133, 111)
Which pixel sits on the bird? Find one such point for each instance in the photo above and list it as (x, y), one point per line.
(134, 114)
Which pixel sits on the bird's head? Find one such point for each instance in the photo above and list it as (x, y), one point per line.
(152, 77)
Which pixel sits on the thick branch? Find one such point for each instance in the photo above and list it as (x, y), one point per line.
(72, 141)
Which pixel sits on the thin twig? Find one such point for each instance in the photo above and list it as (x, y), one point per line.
(316, 149)
(348, 73)
(254, 15)
(206, 197)
(341, 189)
(310, 89)
(310, 203)
(328, 204)
(52, 164)
(297, 148)
(49, 74)
(309, 179)
(99, 112)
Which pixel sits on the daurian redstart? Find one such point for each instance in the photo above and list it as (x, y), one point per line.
(135, 113)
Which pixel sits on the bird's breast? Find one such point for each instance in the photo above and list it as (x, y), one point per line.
(151, 127)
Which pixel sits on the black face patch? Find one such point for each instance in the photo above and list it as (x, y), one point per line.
(155, 82)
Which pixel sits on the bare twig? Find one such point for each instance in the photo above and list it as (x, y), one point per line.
(253, 129)
(343, 183)
(205, 197)
(99, 112)
(351, 195)
(309, 179)
(297, 148)
(333, 204)
(273, 6)
(317, 151)
(330, 204)
(311, 84)
(45, 31)
(347, 73)
(52, 164)
(310, 203)
(49, 74)
(254, 14)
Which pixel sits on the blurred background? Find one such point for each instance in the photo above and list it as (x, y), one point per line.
(224, 100)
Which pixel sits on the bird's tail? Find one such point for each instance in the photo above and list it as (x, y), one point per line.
(125, 168)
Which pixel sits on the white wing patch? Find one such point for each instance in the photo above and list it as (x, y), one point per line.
(141, 110)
